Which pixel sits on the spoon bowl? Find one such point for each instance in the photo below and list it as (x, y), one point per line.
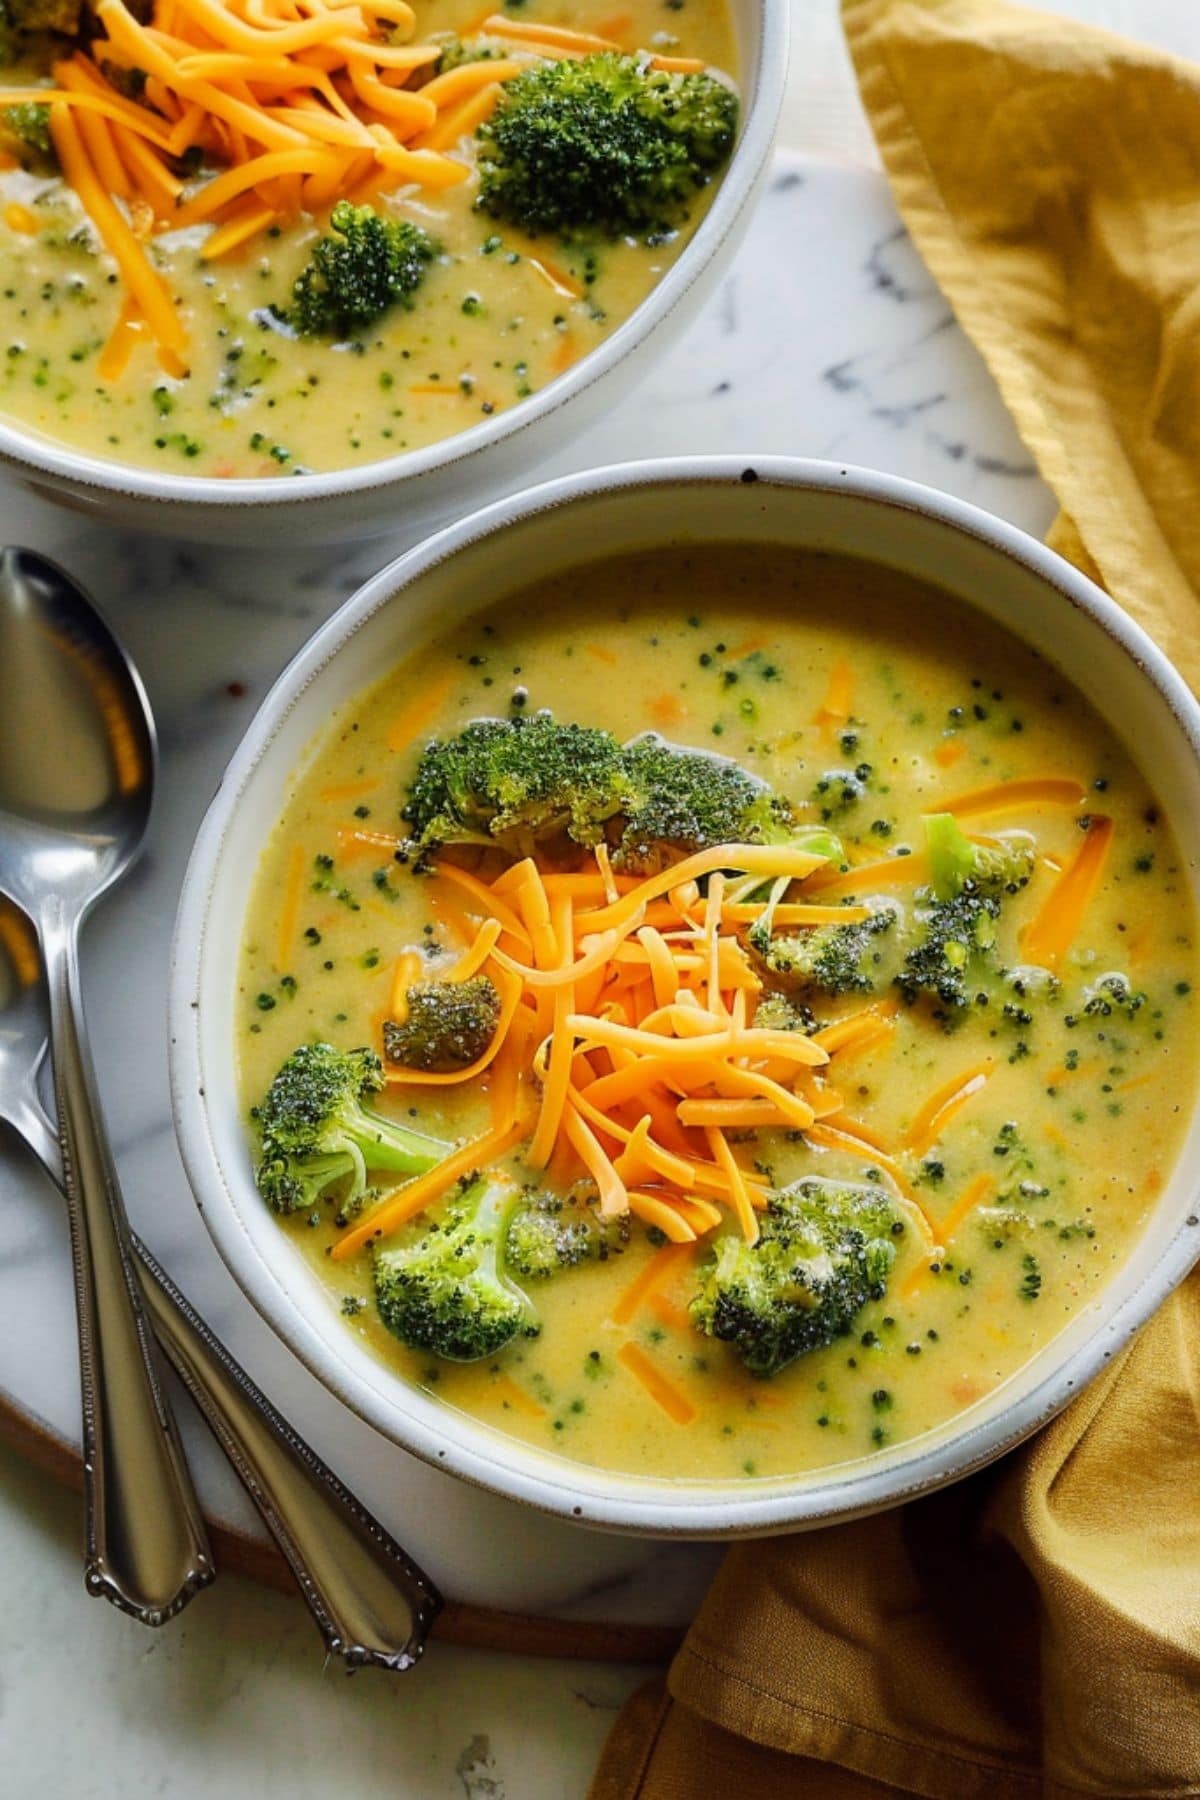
(23, 1035)
(78, 755)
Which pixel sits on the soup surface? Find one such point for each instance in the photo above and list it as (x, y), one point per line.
(499, 312)
(1021, 1137)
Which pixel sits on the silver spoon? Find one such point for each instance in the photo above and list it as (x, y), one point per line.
(77, 765)
(371, 1604)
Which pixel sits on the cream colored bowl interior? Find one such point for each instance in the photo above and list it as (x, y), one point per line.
(996, 571)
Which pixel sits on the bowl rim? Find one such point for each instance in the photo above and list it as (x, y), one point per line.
(462, 1445)
(762, 90)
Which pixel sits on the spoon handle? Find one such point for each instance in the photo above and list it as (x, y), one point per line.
(146, 1547)
(372, 1605)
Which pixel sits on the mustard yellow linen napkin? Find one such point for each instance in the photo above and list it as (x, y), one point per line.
(1035, 1631)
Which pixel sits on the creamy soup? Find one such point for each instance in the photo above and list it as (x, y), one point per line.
(226, 386)
(1020, 1127)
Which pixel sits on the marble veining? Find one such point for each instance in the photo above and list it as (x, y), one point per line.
(829, 340)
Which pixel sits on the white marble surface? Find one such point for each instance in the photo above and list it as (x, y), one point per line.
(867, 366)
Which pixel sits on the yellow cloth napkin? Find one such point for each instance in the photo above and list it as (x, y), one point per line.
(1034, 1631)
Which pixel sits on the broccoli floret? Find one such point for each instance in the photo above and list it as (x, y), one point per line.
(689, 800)
(59, 16)
(958, 912)
(448, 1024)
(1000, 866)
(836, 959)
(957, 936)
(28, 124)
(547, 1233)
(826, 1249)
(518, 782)
(447, 1291)
(315, 1129)
(777, 1012)
(524, 781)
(1113, 993)
(363, 266)
(605, 144)
(837, 790)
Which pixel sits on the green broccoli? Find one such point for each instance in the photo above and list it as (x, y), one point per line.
(836, 959)
(957, 939)
(606, 144)
(779, 1012)
(28, 125)
(525, 781)
(363, 266)
(1000, 866)
(688, 800)
(837, 790)
(448, 1025)
(958, 913)
(315, 1130)
(447, 1290)
(1113, 993)
(826, 1249)
(518, 782)
(546, 1234)
(59, 16)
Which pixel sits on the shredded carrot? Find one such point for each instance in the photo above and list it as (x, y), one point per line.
(1017, 796)
(408, 967)
(976, 1191)
(929, 1123)
(354, 840)
(474, 958)
(144, 283)
(1049, 936)
(739, 1193)
(614, 1196)
(405, 1203)
(841, 1135)
(289, 912)
(560, 36)
(349, 790)
(661, 1389)
(658, 1210)
(797, 914)
(513, 1395)
(19, 218)
(669, 1312)
(419, 714)
(839, 696)
(489, 903)
(893, 871)
(666, 709)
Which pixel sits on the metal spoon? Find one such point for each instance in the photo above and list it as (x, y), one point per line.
(77, 764)
(371, 1604)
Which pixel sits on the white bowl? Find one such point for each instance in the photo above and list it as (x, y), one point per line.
(998, 571)
(415, 491)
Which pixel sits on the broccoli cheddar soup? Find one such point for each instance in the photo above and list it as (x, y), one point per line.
(718, 1014)
(269, 237)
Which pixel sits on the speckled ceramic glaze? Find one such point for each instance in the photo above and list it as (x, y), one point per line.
(997, 571)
